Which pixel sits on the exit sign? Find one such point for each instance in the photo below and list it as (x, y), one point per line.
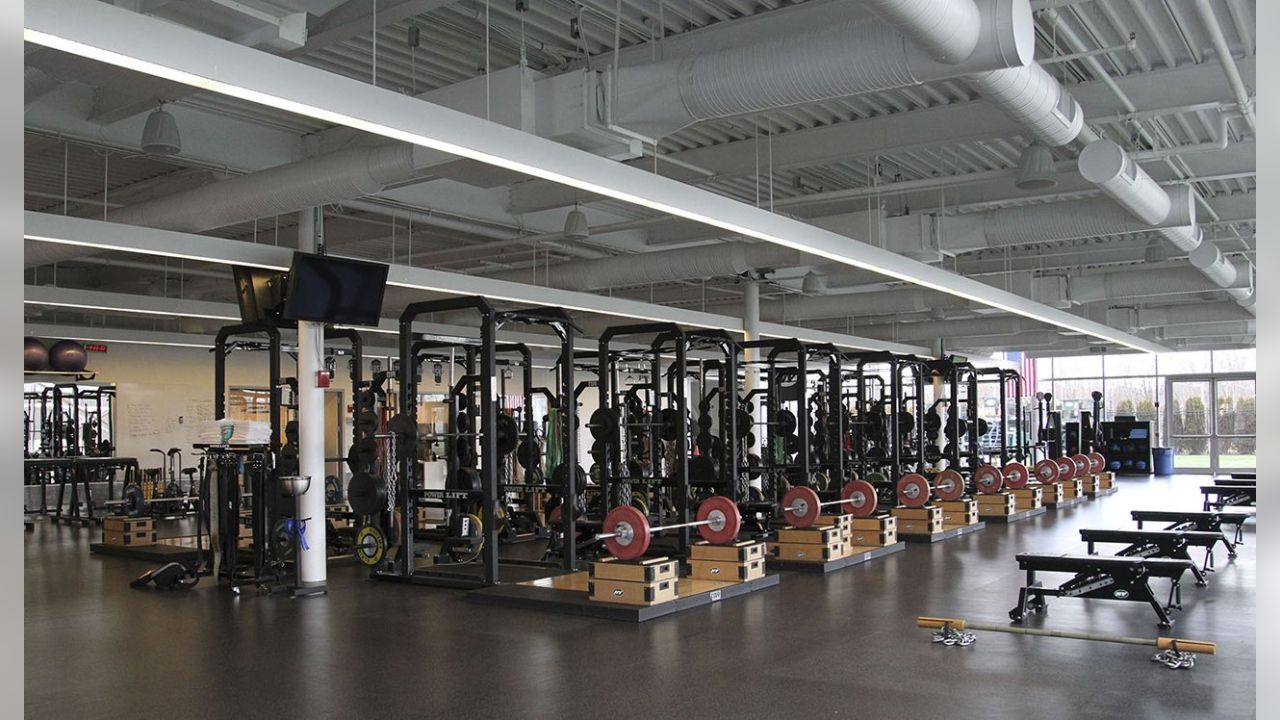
(95, 347)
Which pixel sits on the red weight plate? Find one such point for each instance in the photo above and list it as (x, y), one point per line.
(989, 479)
(859, 498)
(1016, 475)
(1066, 468)
(1097, 462)
(632, 527)
(1047, 471)
(948, 485)
(1082, 464)
(913, 490)
(725, 520)
(800, 506)
(554, 518)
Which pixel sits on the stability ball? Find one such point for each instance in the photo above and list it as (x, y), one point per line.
(35, 356)
(68, 356)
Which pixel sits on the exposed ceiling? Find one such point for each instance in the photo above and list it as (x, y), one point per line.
(1146, 75)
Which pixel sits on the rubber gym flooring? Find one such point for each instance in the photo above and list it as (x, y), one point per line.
(841, 645)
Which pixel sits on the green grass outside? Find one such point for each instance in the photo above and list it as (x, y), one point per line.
(1201, 462)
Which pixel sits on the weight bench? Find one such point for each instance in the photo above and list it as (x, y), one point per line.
(1161, 544)
(1100, 577)
(1211, 521)
(1233, 482)
(1229, 495)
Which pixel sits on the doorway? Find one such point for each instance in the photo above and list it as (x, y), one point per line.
(1212, 422)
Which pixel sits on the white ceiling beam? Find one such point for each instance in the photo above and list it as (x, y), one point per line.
(100, 235)
(110, 35)
(356, 17)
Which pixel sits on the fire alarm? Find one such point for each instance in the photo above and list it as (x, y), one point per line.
(322, 378)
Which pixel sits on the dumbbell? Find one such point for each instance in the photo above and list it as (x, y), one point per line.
(627, 532)
(801, 506)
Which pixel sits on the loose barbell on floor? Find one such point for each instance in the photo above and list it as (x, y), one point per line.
(626, 531)
(1174, 652)
(801, 505)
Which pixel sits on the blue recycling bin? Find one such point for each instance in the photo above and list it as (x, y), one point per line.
(1162, 458)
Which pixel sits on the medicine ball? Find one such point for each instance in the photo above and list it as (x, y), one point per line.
(35, 356)
(68, 356)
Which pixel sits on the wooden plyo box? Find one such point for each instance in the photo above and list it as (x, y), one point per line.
(1050, 493)
(647, 571)
(1088, 484)
(739, 552)
(1028, 498)
(918, 521)
(143, 537)
(808, 552)
(816, 535)
(959, 512)
(726, 571)
(1001, 503)
(125, 524)
(1106, 480)
(844, 522)
(632, 593)
(1071, 489)
(874, 531)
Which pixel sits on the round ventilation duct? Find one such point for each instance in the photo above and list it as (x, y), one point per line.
(160, 134)
(1036, 170)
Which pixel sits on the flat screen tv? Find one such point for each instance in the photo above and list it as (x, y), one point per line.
(260, 294)
(335, 290)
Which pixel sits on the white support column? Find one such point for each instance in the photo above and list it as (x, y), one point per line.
(312, 564)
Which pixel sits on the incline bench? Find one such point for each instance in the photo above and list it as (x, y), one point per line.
(1100, 577)
(1229, 495)
(1192, 520)
(1161, 544)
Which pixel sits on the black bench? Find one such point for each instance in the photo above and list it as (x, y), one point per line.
(1232, 482)
(1100, 577)
(1161, 544)
(1229, 495)
(1211, 521)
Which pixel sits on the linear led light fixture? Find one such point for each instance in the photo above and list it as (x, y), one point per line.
(137, 311)
(118, 37)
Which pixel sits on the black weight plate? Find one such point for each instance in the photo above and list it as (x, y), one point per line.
(464, 451)
(669, 424)
(508, 434)
(704, 407)
(406, 447)
(717, 446)
(983, 427)
(529, 453)
(753, 466)
(331, 489)
(704, 422)
(932, 422)
(704, 442)
(749, 406)
(366, 494)
(786, 422)
(362, 454)
(792, 444)
(291, 431)
(364, 399)
(603, 424)
(466, 478)
(600, 450)
(963, 428)
(876, 453)
(462, 422)
(702, 469)
(282, 539)
(135, 505)
(745, 423)
(560, 475)
(402, 425)
(750, 439)
(367, 422)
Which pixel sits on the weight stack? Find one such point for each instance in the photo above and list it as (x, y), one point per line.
(925, 520)
(959, 513)
(814, 544)
(1028, 498)
(875, 531)
(645, 582)
(1001, 503)
(739, 562)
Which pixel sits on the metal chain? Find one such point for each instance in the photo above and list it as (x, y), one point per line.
(949, 636)
(392, 473)
(1175, 659)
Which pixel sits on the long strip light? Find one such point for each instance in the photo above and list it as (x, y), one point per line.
(128, 310)
(354, 94)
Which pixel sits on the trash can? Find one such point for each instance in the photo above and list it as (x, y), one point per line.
(1162, 458)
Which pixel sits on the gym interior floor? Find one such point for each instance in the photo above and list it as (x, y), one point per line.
(844, 644)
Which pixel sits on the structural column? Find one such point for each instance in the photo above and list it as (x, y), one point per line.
(312, 567)
(751, 331)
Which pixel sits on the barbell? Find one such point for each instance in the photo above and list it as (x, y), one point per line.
(1016, 475)
(801, 505)
(627, 532)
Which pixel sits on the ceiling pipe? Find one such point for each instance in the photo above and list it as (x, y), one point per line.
(948, 31)
(1159, 316)
(1134, 283)
(1235, 328)
(877, 303)
(1210, 21)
